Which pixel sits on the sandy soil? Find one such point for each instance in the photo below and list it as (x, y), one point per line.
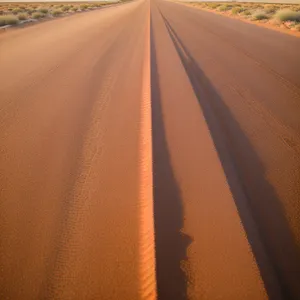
(204, 222)
(245, 80)
(282, 28)
(70, 146)
(149, 151)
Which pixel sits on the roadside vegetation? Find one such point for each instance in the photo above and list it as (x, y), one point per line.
(278, 15)
(19, 13)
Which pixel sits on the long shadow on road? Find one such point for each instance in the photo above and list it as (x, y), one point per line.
(259, 207)
(171, 243)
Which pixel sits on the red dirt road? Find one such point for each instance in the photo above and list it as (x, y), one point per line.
(247, 82)
(149, 151)
(71, 103)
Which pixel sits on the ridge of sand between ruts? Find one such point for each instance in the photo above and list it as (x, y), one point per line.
(147, 244)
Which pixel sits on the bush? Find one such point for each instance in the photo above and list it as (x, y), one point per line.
(270, 9)
(56, 12)
(84, 6)
(260, 15)
(2, 21)
(15, 11)
(65, 8)
(30, 11)
(257, 6)
(8, 20)
(22, 16)
(224, 7)
(236, 10)
(288, 15)
(74, 9)
(247, 13)
(43, 10)
(293, 24)
(38, 15)
(213, 5)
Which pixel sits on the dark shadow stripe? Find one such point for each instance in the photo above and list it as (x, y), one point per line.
(259, 207)
(170, 242)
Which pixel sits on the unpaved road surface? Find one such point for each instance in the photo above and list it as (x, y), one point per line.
(149, 151)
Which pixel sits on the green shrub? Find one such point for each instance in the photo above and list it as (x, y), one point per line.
(38, 15)
(44, 10)
(8, 20)
(260, 15)
(224, 7)
(22, 16)
(288, 15)
(56, 12)
(74, 9)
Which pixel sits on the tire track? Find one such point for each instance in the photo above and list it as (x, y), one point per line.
(73, 226)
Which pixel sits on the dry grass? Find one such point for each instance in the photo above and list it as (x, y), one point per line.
(65, 8)
(84, 6)
(56, 12)
(224, 7)
(8, 20)
(23, 16)
(270, 9)
(260, 15)
(247, 13)
(44, 10)
(16, 10)
(287, 15)
(237, 10)
(38, 15)
(12, 13)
